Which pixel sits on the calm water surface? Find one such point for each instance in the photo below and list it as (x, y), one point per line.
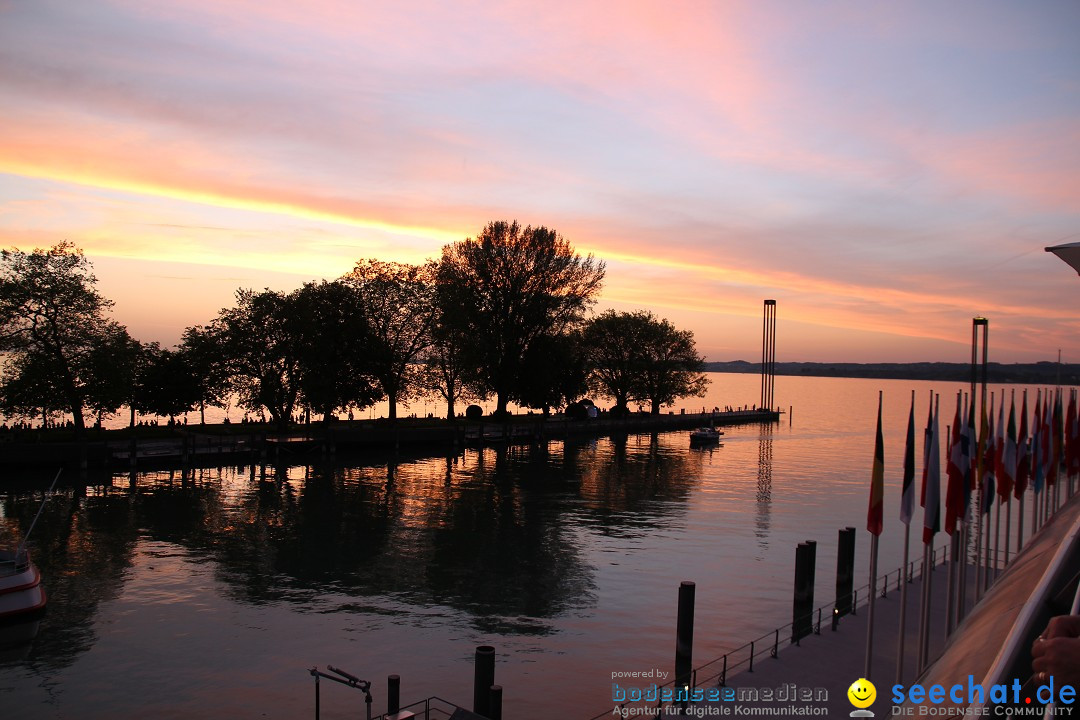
(211, 594)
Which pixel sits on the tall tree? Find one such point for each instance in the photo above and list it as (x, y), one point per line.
(615, 354)
(168, 383)
(672, 367)
(110, 370)
(508, 287)
(203, 351)
(261, 344)
(399, 305)
(444, 371)
(553, 372)
(334, 344)
(51, 320)
(636, 357)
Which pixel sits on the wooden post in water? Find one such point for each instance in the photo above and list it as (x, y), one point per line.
(803, 603)
(845, 572)
(684, 634)
(393, 693)
(483, 679)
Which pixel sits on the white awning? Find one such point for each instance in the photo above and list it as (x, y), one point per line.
(1069, 252)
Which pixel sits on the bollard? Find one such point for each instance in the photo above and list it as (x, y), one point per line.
(483, 679)
(496, 702)
(393, 694)
(684, 634)
(802, 608)
(845, 571)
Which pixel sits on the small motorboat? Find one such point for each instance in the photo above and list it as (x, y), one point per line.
(705, 436)
(22, 599)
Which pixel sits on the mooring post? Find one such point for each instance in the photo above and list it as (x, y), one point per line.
(496, 702)
(483, 679)
(393, 693)
(684, 634)
(802, 610)
(798, 603)
(845, 571)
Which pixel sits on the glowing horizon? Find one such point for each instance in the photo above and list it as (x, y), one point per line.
(884, 173)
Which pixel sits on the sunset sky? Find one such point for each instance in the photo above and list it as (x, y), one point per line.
(885, 171)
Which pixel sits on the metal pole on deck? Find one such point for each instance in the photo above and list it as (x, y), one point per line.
(954, 542)
(924, 614)
(873, 597)
(903, 606)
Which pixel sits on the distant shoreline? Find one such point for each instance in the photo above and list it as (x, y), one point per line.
(1041, 373)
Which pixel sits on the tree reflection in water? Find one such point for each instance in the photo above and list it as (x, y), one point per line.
(490, 532)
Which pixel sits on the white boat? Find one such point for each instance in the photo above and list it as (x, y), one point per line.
(22, 599)
(705, 436)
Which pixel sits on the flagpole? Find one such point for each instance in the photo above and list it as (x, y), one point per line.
(903, 601)
(932, 479)
(1027, 475)
(874, 522)
(924, 615)
(907, 501)
(873, 596)
(1009, 459)
(965, 537)
(950, 583)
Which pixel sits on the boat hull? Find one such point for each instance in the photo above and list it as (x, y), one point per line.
(22, 598)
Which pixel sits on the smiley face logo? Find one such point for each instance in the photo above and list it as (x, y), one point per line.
(862, 693)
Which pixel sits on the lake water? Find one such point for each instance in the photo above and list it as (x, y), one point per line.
(211, 594)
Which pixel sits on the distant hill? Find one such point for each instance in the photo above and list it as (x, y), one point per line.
(1041, 373)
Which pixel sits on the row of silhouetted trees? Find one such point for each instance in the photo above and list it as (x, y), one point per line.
(502, 315)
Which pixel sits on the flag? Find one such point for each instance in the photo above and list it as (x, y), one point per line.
(954, 491)
(970, 451)
(1008, 455)
(980, 454)
(986, 500)
(932, 483)
(1072, 436)
(907, 490)
(928, 435)
(1046, 443)
(1023, 454)
(1038, 470)
(999, 445)
(1057, 428)
(875, 513)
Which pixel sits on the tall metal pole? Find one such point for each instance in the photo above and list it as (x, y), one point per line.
(976, 323)
(768, 355)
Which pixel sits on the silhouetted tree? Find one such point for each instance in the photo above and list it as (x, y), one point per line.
(203, 350)
(552, 373)
(168, 384)
(52, 318)
(634, 356)
(260, 339)
(613, 346)
(334, 348)
(672, 367)
(444, 371)
(399, 305)
(508, 287)
(111, 369)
